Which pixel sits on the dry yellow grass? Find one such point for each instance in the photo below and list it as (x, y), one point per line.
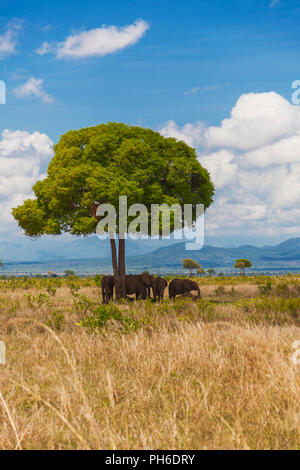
(190, 378)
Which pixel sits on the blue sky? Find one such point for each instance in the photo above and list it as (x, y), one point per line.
(193, 63)
(239, 45)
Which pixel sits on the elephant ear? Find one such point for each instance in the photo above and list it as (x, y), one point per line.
(146, 279)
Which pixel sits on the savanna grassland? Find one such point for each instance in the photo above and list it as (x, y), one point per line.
(211, 374)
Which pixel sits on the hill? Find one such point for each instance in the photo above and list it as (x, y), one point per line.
(284, 255)
(60, 248)
(144, 254)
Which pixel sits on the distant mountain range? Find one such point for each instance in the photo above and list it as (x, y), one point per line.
(144, 254)
(58, 248)
(284, 255)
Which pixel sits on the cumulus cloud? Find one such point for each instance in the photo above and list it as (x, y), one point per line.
(23, 159)
(9, 39)
(33, 87)
(96, 42)
(192, 134)
(257, 119)
(254, 161)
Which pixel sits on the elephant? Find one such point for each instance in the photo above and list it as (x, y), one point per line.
(107, 287)
(158, 286)
(138, 284)
(151, 285)
(181, 286)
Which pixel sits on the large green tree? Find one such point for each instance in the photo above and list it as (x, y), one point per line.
(98, 164)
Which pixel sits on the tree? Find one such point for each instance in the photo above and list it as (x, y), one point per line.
(190, 264)
(241, 264)
(96, 165)
(69, 272)
(201, 271)
(1, 264)
(51, 274)
(211, 271)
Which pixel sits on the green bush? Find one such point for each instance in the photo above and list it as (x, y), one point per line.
(266, 288)
(56, 321)
(107, 315)
(272, 310)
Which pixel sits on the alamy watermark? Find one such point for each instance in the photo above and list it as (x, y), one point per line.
(296, 354)
(135, 221)
(2, 353)
(2, 92)
(296, 94)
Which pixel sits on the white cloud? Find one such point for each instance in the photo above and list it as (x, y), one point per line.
(8, 40)
(23, 159)
(194, 90)
(34, 86)
(221, 167)
(257, 119)
(191, 91)
(274, 3)
(96, 42)
(192, 134)
(46, 28)
(45, 48)
(216, 87)
(254, 161)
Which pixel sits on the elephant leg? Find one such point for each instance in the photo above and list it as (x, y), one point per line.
(103, 296)
(106, 295)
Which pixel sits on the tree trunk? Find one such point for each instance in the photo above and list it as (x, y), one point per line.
(115, 267)
(122, 267)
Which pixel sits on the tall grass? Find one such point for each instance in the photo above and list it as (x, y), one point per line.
(211, 374)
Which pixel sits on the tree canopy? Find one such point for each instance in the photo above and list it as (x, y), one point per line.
(190, 264)
(211, 271)
(97, 164)
(201, 271)
(241, 264)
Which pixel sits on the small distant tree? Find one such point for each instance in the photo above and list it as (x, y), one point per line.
(51, 274)
(201, 271)
(190, 264)
(242, 264)
(69, 272)
(211, 272)
(1, 264)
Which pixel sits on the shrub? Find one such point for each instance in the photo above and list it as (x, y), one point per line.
(106, 315)
(272, 310)
(56, 321)
(265, 289)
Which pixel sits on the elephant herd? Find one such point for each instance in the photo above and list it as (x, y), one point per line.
(141, 285)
